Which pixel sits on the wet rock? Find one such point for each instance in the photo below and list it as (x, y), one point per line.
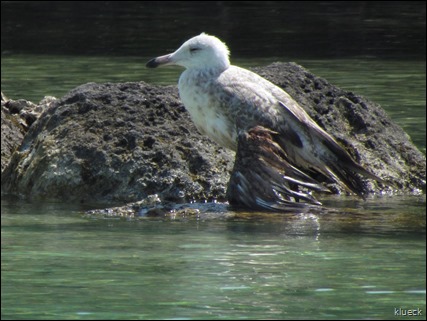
(152, 207)
(143, 208)
(126, 142)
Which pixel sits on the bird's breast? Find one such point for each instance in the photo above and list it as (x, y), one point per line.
(208, 114)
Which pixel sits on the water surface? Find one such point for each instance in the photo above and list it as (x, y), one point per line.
(354, 260)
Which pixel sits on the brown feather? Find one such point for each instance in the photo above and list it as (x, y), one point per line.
(262, 177)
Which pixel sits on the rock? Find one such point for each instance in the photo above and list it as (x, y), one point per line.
(360, 125)
(117, 143)
(16, 117)
(127, 142)
(149, 207)
(11, 136)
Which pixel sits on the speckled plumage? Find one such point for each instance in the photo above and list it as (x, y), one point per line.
(228, 103)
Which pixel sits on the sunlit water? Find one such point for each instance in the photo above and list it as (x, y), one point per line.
(357, 260)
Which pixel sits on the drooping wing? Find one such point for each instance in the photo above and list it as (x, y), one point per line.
(253, 101)
(319, 152)
(262, 177)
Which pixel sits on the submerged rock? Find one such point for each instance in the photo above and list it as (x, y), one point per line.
(125, 142)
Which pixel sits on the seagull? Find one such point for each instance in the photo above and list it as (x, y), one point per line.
(282, 155)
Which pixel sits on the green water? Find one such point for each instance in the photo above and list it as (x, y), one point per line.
(354, 260)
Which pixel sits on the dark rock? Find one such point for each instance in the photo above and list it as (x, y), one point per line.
(120, 143)
(361, 126)
(16, 118)
(11, 136)
(132, 141)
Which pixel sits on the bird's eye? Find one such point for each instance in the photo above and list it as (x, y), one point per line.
(194, 49)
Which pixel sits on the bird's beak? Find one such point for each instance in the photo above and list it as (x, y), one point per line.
(158, 61)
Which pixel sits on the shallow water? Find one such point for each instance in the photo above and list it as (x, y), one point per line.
(353, 259)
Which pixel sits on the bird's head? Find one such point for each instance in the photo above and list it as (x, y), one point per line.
(203, 51)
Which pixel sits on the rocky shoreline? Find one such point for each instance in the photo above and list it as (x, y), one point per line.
(132, 142)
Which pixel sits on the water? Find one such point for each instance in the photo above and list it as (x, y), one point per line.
(360, 260)
(354, 259)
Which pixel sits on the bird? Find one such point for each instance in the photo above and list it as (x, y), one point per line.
(282, 154)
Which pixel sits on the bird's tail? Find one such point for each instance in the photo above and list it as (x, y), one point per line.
(326, 156)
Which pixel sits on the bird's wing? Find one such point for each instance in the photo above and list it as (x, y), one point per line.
(321, 153)
(252, 100)
(262, 177)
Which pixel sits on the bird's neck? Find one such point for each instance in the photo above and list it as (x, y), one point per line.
(208, 71)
